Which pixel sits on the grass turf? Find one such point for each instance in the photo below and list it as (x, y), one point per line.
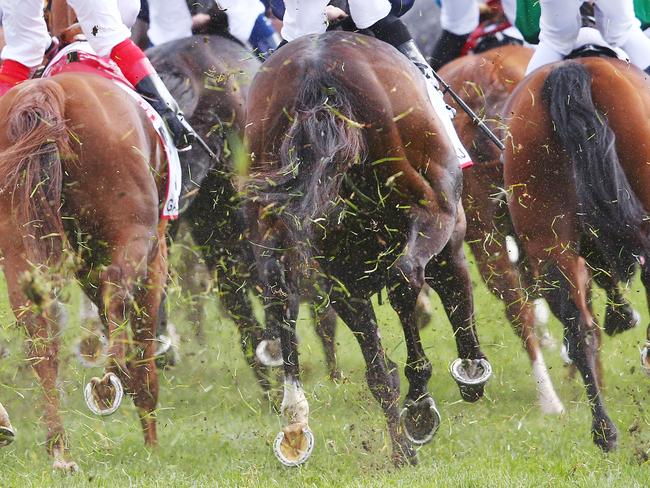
(215, 428)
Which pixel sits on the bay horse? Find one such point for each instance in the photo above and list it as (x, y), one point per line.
(82, 175)
(353, 178)
(209, 75)
(577, 174)
(485, 80)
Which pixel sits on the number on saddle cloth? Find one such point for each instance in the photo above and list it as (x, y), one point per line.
(400, 7)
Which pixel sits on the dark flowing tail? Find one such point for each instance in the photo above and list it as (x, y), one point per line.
(609, 211)
(323, 142)
(30, 168)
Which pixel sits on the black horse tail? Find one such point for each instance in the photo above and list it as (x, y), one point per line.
(610, 214)
(321, 145)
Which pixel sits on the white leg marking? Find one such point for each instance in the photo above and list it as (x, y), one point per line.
(512, 249)
(294, 403)
(548, 399)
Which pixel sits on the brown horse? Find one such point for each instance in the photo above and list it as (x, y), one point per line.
(485, 80)
(82, 173)
(576, 169)
(354, 178)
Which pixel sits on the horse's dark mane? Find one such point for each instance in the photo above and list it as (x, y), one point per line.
(610, 214)
(322, 143)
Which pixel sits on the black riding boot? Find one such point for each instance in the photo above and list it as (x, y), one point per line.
(447, 48)
(155, 92)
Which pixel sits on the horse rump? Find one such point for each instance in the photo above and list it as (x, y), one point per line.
(322, 143)
(30, 167)
(609, 212)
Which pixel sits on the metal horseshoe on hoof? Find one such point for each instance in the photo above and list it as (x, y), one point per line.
(433, 410)
(459, 371)
(267, 359)
(6, 436)
(92, 361)
(291, 455)
(92, 403)
(645, 358)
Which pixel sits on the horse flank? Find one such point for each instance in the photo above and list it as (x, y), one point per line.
(608, 209)
(30, 168)
(321, 145)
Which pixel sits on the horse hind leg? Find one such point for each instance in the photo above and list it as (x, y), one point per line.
(142, 367)
(43, 344)
(325, 321)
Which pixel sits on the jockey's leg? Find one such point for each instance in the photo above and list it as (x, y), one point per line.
(248, 23)
(620, 28)
(101, 22)
(389, 28)
(26, 37)
(303, 17)
(559, 26)
(458, 19)
(168, 20)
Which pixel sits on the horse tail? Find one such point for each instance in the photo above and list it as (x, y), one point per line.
(31, 169)
(321, 145)
(608, 209)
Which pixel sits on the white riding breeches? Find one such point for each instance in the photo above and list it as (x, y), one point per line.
(242, 15)
(459, 17)
(169, 20)
(304, 17)
(104, 22)
(560, 23)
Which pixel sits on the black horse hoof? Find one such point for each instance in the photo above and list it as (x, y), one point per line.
(420, 420)
(269, 353)
(620, 318)
(604, 434)
(471, 375)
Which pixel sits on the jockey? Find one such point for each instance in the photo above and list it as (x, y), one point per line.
(304, 17)
(104, 23)
(458, 19)
(615, 19)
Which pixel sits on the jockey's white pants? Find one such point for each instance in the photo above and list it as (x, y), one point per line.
(459, 17)
(169, 20)
(304, 17)
(104, 22)
(242, 15)
(615, 19)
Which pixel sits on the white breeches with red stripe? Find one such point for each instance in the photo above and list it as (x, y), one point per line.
(560, 24)
(304, 17)
(104, 22)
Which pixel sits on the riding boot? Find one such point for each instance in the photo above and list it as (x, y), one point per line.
(447, 48)
(139, 71)
(11, 73)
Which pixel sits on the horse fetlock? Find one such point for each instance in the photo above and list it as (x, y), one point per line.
(420, 420)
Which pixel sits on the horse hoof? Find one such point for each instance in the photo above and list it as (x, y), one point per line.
(294, 445)
(420, 420)
(604, 434)
(471, 375)
(621, 318)
(91, 351)
(7, 435)
(645, 358)
(98, 391)
(65, 466)
(269, 353)
(167, 351)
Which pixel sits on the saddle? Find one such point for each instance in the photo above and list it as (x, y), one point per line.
(592, 50)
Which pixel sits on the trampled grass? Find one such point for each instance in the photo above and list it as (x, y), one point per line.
(215, 428)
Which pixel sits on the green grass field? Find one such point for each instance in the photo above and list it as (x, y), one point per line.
(215, 429)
